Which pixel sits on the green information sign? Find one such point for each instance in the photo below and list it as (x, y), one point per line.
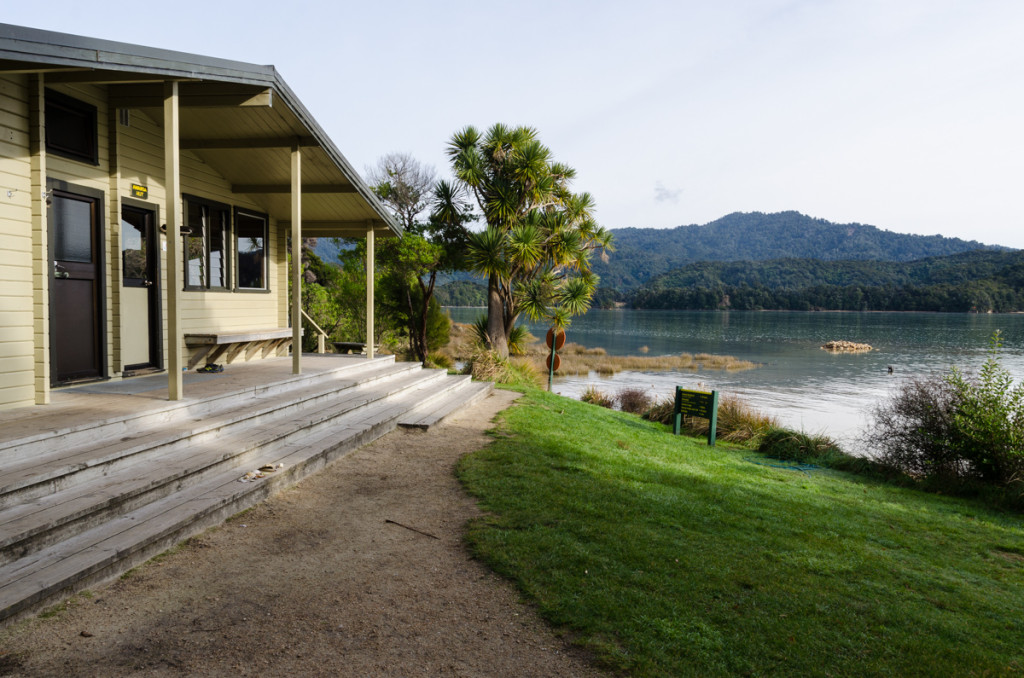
(702, 404)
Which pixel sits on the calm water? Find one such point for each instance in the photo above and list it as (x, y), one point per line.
(803, 385)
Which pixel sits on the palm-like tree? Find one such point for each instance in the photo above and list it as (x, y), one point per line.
(536, 248)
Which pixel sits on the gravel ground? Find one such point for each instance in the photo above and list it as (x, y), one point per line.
(359, 570)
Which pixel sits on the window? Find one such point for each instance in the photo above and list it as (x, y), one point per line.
(206, 239)
(251, 249)
(71, 129)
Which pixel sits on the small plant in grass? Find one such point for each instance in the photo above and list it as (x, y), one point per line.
(595, 396)
(633, 400)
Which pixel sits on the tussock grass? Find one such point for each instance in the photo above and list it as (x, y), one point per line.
(669, 558)
(487, 366)
(595, 396)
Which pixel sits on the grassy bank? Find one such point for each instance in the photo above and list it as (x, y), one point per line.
(669, 558)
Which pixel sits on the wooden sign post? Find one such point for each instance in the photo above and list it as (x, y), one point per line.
(554, 342)
(696, 404)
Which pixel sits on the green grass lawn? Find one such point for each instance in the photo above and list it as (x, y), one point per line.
(670, 558)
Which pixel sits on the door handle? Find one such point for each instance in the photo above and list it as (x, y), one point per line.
(59, 272)
(147, 283)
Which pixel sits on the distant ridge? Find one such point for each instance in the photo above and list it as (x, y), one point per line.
(643, 253)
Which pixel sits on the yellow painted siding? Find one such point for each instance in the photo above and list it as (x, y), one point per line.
(16, 345)
(141, 162)
(127, 154)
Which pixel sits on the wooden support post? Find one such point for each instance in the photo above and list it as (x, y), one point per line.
(172, 180)
(42, 268)
(296, 260)
(369, 292)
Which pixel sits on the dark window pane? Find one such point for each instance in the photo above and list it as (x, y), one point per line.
(251, 251)
(71, 129)
(73, 230)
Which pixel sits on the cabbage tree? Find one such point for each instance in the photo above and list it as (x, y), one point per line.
(539, 235)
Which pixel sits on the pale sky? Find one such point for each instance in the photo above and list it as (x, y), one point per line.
(904, 114)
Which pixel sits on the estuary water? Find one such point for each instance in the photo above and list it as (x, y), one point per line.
(804, 386)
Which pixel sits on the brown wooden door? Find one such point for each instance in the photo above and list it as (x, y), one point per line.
(76, 332)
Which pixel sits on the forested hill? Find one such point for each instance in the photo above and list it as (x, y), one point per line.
(980, 280)
(643, 253)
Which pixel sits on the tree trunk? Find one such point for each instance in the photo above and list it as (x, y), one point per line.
(496, 319)
(426, 293)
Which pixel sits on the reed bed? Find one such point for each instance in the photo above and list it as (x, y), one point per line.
(579, 360)
(582, 360)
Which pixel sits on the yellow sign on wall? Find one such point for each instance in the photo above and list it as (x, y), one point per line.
(140, 191)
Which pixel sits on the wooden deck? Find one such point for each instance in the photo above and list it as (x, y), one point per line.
(75, 406)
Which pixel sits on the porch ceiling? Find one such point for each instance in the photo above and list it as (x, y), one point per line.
(241, 119)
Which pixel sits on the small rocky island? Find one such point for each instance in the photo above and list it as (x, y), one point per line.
(847, 347)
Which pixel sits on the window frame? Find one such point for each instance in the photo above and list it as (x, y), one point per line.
(226, 240)
(73, 107)
(241, 211)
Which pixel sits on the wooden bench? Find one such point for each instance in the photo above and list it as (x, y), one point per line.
(214, 345)
(349, 346)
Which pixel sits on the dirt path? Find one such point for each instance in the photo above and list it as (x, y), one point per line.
(317, 581)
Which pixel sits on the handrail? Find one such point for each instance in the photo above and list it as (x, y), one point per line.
(321, 345)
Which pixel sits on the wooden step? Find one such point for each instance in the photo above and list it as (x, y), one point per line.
(39, 441)
(30, 478)
(30, 526)
(89, 530)
(465, 394)
(116, 545)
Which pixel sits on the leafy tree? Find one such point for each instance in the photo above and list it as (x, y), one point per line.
(410, 265)
(536, 247)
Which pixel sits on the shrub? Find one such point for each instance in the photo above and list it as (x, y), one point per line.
(913, 431)
(956, 427)
(597, 397)
(633, 400)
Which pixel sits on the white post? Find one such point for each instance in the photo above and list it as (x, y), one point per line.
(296, 260)
(369, 293)
(172, 180)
